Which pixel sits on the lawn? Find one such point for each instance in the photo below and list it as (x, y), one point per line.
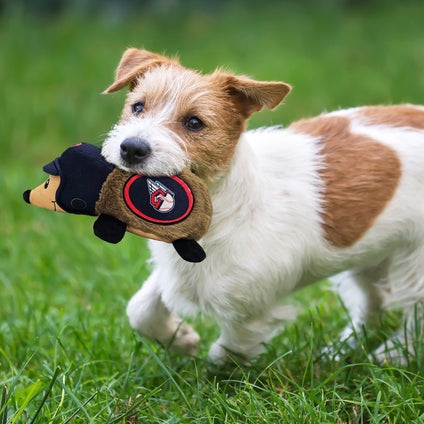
(67, 352)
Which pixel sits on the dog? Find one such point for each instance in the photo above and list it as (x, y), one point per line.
(337, 195)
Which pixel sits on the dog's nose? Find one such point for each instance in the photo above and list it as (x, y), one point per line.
(134, 150)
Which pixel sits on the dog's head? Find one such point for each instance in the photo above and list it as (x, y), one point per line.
(175, 117)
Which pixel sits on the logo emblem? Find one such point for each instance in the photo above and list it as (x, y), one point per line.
(161, 198)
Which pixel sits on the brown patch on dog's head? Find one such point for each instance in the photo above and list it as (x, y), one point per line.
(249, 96)
(394, 116)
(227, 103)
(134, 63)
(360, 177)
(203, 115)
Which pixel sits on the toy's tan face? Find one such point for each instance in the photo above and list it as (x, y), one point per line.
(44, 196)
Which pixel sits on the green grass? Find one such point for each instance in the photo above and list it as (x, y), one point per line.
(67, 353)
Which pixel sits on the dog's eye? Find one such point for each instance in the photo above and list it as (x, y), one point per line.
(46, 184)
(137, 108)
(193, 123)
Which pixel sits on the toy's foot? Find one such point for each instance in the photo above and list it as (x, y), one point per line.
(109, 228)
(189, 250)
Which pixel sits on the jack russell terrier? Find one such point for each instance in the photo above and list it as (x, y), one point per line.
(341, 194)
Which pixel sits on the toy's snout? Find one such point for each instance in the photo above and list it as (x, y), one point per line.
(27, 195)
(44, 196)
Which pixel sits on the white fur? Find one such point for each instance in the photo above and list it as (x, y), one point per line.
(168, 153)
(266, 240)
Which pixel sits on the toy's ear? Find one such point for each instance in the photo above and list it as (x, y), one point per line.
(135, 62)
(52, 168)
(251, 96)
(44, 196)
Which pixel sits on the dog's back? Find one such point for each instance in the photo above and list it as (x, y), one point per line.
(336, 192)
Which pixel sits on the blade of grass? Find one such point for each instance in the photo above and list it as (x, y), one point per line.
(62, 398)
(168, 373)
(35, 387)
(80, 408)
(46, 395)
(3, 414)
(136, 404)
(15, 381)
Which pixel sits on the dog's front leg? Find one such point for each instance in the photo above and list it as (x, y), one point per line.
(235, 344)
(241, 341)
(151, 318)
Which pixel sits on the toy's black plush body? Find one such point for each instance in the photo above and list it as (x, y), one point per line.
(175, 209)
(82, 171)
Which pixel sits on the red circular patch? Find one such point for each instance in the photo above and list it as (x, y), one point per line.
(161, 200)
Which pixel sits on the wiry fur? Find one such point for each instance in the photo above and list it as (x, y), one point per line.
(267, 236)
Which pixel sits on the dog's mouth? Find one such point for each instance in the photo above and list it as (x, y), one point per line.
(141, 168)
(152, 167)
(138, 154)
(126, 167)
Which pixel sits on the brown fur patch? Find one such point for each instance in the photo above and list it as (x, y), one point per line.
(135, 62)
(396, 116)
(230, 99)
(251, 96)
(360, 177)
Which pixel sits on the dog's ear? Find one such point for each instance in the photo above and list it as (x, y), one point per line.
(135, 62)
(251, 96)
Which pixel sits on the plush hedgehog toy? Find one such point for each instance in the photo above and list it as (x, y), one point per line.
(174, 209)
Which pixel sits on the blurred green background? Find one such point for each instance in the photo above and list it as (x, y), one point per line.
(62, 291)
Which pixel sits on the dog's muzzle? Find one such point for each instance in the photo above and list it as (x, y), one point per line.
(134, 151)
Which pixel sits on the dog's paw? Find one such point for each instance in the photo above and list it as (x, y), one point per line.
(220, 357)
(185, 340)
(392, 353)
(217, 355)
(345, 344)
(330, 352)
